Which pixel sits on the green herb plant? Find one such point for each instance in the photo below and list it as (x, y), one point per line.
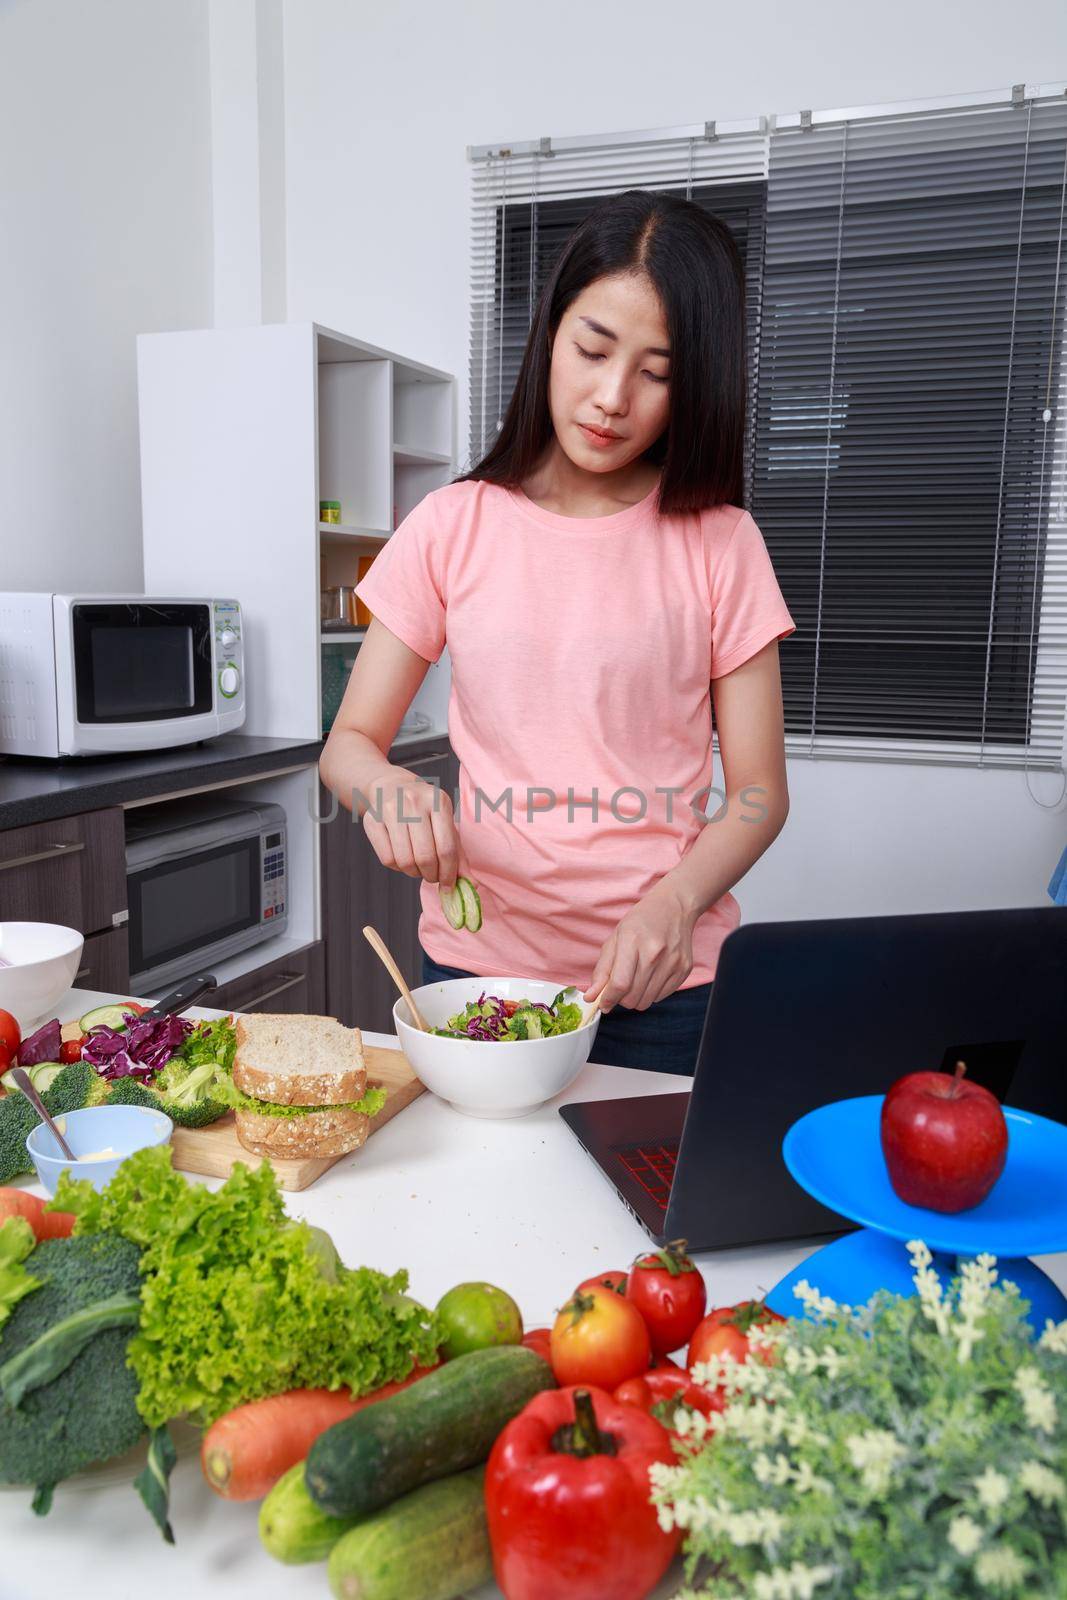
(913, 1449)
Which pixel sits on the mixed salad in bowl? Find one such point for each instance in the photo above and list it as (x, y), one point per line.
(493, 1019)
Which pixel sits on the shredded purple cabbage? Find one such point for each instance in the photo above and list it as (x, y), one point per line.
(139, 1051)
(491, 1027)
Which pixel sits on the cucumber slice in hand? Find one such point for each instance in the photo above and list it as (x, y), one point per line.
(452, 906)
(462, 905)
(472, 904)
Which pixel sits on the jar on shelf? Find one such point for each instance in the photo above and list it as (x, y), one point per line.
(329, 510)
(362, 615)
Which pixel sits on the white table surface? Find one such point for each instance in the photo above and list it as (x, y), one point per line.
(448, 1197)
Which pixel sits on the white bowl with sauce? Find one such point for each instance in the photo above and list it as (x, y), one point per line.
(101, 1138)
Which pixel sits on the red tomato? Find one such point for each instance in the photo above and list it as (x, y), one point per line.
(615, 1281)
(133, 1005)
(660, 1393)
(71, 1049)
(669, 1292)
(539, 1340)
(598, 1338)
(6, 1057)
(10, 1037)
(725, 1332)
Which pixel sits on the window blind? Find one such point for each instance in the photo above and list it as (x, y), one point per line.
(905, 455)
(911, 345)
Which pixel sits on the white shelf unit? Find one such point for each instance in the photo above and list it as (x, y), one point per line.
(243, 432)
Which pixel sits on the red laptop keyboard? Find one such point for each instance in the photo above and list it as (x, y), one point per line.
(653, 1168)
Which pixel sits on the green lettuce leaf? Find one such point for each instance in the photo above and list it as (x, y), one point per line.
(234, 1304)
(369, 1105)
(214, 1040)
(17, 1239)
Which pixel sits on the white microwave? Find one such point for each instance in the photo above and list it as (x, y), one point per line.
(89, 674)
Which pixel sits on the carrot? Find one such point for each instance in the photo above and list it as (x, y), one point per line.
(45, 1224)
(245, 1452)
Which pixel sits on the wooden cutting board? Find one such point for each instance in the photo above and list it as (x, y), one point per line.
(212, 1151)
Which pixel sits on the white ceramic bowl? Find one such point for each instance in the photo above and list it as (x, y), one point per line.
(490, 1079)
(89, 1132)
(44, 958)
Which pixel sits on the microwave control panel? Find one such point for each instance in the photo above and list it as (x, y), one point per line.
(229, 660)
(273, 875)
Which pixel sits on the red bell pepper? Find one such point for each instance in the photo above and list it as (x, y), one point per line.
(660, 1392)
(567, 1500)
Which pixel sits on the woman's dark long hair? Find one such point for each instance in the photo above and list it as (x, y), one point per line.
(693, 263)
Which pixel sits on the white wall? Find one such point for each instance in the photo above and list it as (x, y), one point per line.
(381, 102)
(105, 222)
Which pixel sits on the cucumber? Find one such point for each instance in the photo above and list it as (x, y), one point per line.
(462, 905)
(472, 904)
(104, 1017)
(292, 1528)
(452, 906)
(442, 1424)
(432, 1544)
(43, 1075)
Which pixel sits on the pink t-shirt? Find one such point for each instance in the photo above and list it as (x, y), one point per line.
(582, 650)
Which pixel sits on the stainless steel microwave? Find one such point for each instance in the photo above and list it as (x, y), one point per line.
(90, 674)
(206, 879)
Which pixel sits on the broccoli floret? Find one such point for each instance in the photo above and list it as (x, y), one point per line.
(88, 1412)
(195, 1114)
(130, 1092)
(72, 1088)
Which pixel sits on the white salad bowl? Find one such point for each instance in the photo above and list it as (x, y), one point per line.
(38, 963)
(506, 1078)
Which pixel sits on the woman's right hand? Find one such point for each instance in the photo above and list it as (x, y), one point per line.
(411, 826)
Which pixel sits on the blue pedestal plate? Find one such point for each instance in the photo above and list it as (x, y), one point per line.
(835, 1153)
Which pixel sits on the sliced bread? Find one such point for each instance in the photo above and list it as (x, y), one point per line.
(299, 1061)
(333, 1131)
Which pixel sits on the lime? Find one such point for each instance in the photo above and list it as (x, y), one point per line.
(475, 1316)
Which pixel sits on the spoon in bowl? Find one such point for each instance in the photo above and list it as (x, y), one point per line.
(378, 945)
(22, 1078)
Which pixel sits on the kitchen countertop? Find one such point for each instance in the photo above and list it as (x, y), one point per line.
(451, 1198)
(39, 790)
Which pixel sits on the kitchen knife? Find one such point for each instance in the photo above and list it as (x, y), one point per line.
(187, 994)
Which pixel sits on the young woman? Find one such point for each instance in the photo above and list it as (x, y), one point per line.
(600, 589)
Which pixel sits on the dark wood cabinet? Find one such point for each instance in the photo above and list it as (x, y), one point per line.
(71, 871)
(293, 983)
(357, 890)
(105, 963)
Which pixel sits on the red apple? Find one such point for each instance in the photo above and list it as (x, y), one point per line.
(944, 1139)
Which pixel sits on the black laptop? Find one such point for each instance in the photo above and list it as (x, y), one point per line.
(803, 1013)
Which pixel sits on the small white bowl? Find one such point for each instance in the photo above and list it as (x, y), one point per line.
(483, 1078)
(44, 958)
(121, 1129)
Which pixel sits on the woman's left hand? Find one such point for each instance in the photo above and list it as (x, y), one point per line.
(650, 953)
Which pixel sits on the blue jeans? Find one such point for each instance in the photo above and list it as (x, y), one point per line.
(663, 1038)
